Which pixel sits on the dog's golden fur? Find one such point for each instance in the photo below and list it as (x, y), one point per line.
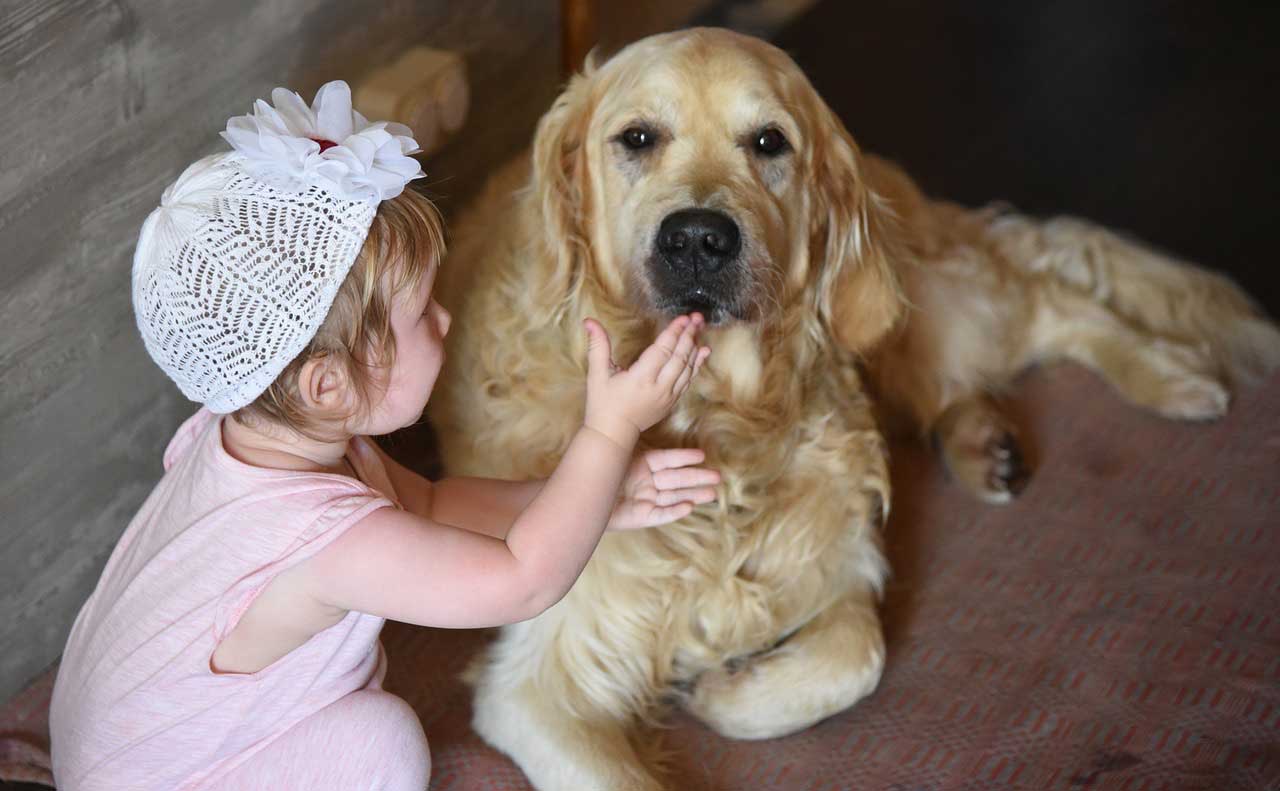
(993, 292)
(759, 613)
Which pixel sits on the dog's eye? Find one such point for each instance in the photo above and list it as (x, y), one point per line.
(770, 141)
(636, 138)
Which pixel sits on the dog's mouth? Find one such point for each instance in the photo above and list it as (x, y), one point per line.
(714, 309)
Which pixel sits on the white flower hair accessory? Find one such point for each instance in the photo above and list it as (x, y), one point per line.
(292, 147)
(238, 266)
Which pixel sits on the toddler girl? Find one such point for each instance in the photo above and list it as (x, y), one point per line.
(232, 641)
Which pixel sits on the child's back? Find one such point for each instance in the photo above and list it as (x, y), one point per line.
(210, 537)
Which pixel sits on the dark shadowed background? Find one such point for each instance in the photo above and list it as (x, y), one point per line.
(1156, 118)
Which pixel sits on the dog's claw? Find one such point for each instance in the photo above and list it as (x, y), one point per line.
(1008, 473)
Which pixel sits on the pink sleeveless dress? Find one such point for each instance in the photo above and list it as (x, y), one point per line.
(136, 704)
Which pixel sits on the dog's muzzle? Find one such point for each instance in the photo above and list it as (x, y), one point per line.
(697, 252)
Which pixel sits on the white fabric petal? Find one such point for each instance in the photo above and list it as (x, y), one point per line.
(331, 169)
(405, 168)
(332, 107)
(241, 134)
(268, 120)
(297, 115)
(399, 130)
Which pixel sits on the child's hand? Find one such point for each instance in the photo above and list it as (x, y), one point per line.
(661, 487)
(621, 404)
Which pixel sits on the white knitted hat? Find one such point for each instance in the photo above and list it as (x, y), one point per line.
(238, 267)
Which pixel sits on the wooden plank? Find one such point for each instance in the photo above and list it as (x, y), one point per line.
(579, 32)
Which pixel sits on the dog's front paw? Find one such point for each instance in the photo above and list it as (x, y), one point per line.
(826, 667)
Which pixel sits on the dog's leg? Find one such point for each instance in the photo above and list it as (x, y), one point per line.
(1170, 336)
(556, 750)
(980, 448)
(1148, 291)
(531, 702)
(976, 441)
(831, 663)
(1175, 380)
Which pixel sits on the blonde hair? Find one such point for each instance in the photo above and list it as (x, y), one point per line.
(405, 238)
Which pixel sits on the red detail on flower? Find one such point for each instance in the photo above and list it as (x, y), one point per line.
(325, 145)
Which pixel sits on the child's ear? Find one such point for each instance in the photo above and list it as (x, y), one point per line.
(323, 385)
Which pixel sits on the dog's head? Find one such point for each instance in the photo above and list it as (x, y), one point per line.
(700, 171)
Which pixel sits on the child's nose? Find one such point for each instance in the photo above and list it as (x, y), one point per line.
(444, 321)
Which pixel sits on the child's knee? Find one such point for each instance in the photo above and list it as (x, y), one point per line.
(393, 731)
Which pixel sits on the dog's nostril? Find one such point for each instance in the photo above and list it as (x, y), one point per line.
(715, 243)
(676, 240)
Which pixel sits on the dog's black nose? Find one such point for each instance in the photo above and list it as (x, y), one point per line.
(698, 240)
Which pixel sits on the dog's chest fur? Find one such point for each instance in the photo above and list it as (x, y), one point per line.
(803, 484)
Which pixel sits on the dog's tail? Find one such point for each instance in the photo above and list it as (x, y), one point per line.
(1148, 290)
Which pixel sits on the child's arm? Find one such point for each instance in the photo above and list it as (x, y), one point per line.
(660, 487)
(405, 567)
(481, 505)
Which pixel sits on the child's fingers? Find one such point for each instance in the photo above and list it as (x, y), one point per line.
(698, 496)
(682, 383)
(699, 357)
(660, 351)
(682, 357)
(686, 376)
(663, 515)
(703, 353)
(668, 458)
(685, 477)
(599, 355)
(666, 341)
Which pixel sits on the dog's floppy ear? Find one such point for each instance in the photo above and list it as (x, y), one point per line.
(853, 239)
(561, 189)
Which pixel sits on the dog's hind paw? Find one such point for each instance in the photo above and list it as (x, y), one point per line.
(1007, 472)
(1193, 397)
(981, 450)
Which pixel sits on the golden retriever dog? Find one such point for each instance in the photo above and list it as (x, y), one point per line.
(699, 170)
